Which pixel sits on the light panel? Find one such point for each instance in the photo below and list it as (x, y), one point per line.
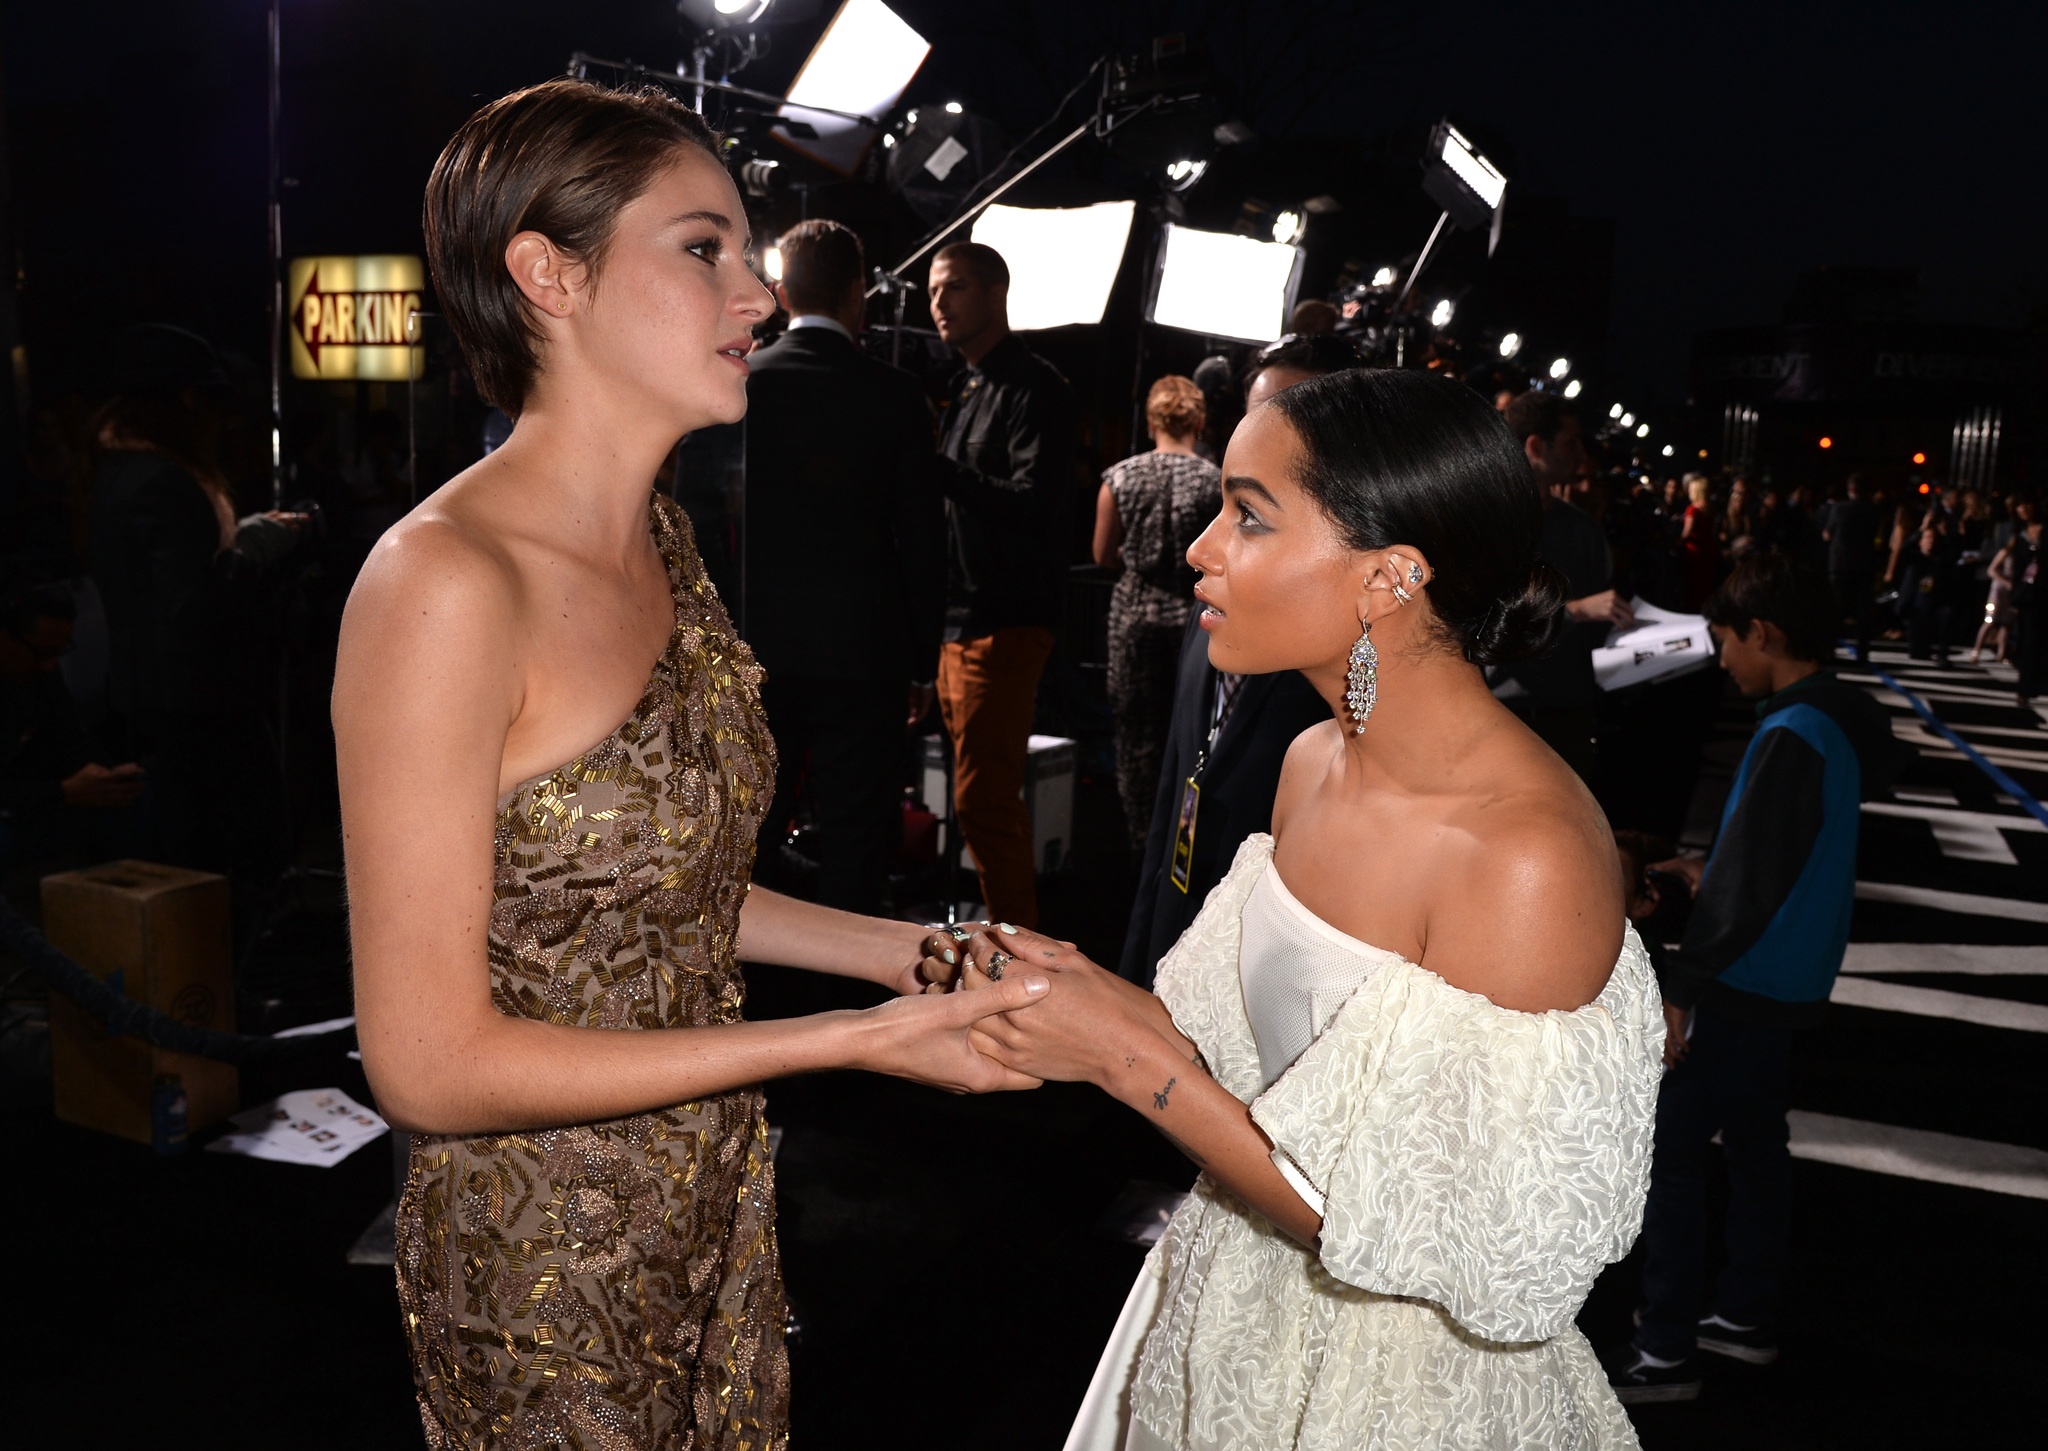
(862, 63)
(1062, 260)
(1472, 168)
(1223, 286)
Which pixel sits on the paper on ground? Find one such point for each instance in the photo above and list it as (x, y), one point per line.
(1661, 645)
(319, 1126)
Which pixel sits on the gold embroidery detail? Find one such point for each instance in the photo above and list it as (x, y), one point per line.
(616, 1285)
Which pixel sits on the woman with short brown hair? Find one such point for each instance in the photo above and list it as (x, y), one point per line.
(546, 931)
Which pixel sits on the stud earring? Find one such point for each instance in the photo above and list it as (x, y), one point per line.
(1415, 574)
(1362, 680)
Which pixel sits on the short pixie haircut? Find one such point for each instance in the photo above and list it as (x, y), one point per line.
(562, 159)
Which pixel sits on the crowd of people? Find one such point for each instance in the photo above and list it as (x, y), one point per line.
(1938, 567)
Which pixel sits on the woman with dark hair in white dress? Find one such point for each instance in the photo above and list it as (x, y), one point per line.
(1410, 1039)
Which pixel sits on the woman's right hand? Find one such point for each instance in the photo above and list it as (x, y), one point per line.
(925, 1037)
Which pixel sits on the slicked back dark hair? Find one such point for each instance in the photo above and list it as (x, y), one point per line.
(1794, 597)
(562, 159)
(821, 263)
(1399, 457)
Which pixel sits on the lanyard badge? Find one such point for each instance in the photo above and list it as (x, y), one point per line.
(1184, 834)
(1181, 870)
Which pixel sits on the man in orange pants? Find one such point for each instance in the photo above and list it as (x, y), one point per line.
(1011, 436)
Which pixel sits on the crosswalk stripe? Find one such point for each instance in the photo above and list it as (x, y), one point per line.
(1966, 835)
(1998, 753)
(1919, 1154)
(1946, 957)
(1929, 1002)
(1952, 901)
(1972, 693)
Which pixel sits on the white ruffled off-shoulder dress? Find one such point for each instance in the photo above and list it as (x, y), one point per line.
(1475, 1168)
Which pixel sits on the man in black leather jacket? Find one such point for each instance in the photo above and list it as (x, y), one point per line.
(1011, 436)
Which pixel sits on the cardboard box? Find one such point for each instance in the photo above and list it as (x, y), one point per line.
(161, 936)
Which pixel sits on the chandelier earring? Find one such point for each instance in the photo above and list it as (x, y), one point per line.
(1362, 680)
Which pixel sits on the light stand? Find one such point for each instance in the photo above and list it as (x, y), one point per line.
(899, 290)
(1470, 189)
(698, 83)
(1104, 123)
(276, 308)
(1420, 262)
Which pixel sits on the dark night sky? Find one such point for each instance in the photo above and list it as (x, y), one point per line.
(1735, 146)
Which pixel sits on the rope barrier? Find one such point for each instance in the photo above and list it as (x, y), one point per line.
(125, 1017)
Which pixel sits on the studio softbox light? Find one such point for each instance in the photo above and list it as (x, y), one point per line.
(862, 63)
(1222, 285)
(1063, 260)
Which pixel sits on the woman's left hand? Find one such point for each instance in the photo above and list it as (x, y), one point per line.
(1079, 1024)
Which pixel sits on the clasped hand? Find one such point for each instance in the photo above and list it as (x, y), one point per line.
(1086, 1024)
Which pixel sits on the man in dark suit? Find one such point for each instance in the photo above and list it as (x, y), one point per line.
(845, 566)
(1255, 719)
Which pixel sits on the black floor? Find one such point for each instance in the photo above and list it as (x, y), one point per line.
(945, 1255)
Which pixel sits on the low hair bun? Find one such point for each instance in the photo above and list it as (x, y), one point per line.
(1415, 460)
(1519, 626)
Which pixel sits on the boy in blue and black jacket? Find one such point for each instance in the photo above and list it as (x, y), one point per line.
(1769, 926)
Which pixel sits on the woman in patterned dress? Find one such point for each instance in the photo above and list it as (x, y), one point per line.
(1410, 1038)
(546, 930)
(1151, 508)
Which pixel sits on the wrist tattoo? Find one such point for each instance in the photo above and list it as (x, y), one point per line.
(1159, 1098)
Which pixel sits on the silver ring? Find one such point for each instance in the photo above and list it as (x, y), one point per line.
(959, 934)
(996, 963)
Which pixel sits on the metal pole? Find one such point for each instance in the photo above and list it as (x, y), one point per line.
(1422, 261)
(580, 63)
(276, 285)
(414, 331)
(700, 56)
(979, 207)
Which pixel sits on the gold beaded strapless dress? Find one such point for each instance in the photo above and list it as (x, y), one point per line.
(616, 1286)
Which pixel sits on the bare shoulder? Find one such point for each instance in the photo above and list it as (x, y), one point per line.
(1305, 765)
(436, 606)
(1530, 911)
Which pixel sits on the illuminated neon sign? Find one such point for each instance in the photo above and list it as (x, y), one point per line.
(350, 318)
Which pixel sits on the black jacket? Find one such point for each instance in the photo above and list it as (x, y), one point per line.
(1012, 435)
(845, 528)
(191, 627)
(1238, 785)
